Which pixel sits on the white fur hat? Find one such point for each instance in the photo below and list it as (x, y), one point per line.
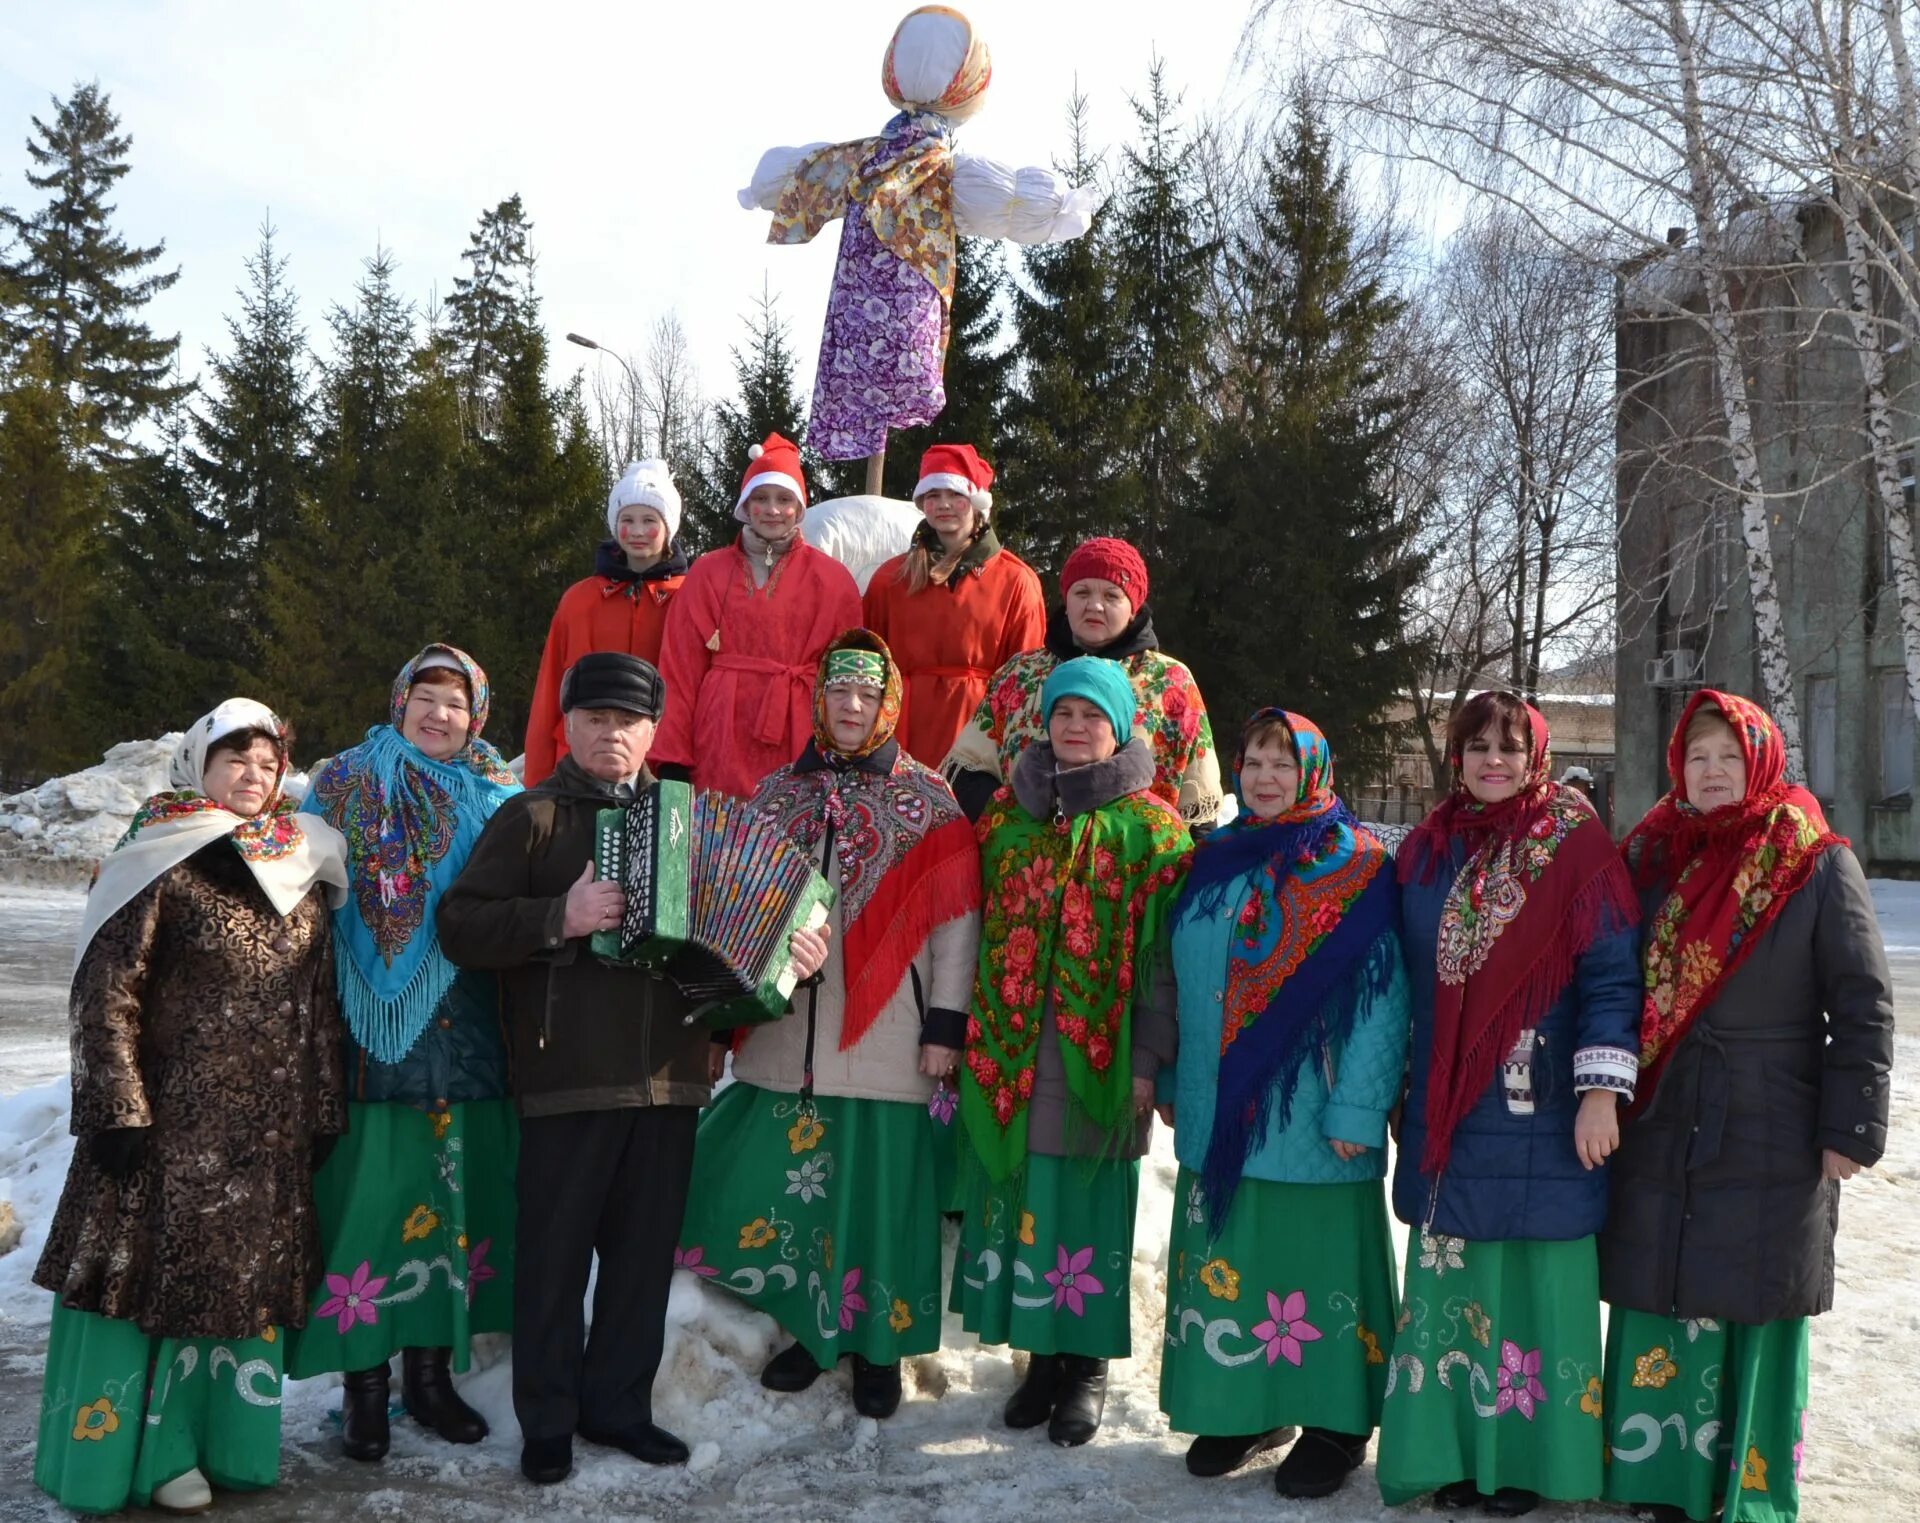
(646, 484)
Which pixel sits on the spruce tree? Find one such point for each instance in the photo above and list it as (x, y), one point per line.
(252, 454)
(170, 639)
(1070, 423)
(1288, 586)
(1165, 261)
(78, 287)
(491, 307)
(51, 699)
(764, 402)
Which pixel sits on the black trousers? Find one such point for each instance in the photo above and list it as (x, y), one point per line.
(607, 1182)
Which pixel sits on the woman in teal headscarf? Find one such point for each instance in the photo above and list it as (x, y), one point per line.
(416, 1205)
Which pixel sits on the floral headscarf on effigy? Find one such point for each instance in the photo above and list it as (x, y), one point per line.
(1312, 922)
(1728, 874)
(410, 823)
(286, 856)
(905, 861)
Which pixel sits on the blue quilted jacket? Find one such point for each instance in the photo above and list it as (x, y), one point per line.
(1365, 1074)
(1512, 1176)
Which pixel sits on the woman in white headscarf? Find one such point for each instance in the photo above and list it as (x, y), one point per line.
(206, 1085)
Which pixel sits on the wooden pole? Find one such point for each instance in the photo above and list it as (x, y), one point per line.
(876, 463)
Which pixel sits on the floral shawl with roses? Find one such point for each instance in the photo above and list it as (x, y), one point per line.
(1539, 884)
(1306, 944)
(1726, 875)
(1075, 909)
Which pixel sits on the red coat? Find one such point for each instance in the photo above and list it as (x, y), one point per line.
(605, 611)
(739, 663)
(950, 639)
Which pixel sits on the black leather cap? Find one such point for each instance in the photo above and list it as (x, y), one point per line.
(611, 679)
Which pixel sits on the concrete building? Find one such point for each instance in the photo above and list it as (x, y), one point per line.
(1685, 616)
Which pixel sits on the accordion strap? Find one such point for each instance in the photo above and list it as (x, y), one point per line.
(806, 1107)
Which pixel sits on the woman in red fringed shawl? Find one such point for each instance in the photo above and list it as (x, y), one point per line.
(814, 1193)
(1517, 921)
(1765, 1042)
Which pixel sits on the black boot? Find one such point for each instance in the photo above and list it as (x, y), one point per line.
(1511, 1502)
(1082, 1400)
(547, 1461)
(1320, 1463)
(364, 1431)
(1457, 1495)
(876, 1388)
(792, 1369)
(1032, 1403)
(1210, 1456)
(1659, 1512)
(426, 1388)
(646, 1442)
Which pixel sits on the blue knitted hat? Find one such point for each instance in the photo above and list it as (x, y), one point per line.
(1100, 682)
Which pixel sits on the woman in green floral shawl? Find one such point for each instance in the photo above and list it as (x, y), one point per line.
(1072, 1020)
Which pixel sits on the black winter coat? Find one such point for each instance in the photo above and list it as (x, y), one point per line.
(1718, 1207)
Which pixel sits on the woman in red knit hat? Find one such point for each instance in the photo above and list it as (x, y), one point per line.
(1106, 615)
(745, 634)
(956, 607)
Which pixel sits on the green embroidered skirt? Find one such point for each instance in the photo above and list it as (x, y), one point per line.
(124, 1412)
(1495, 1371)
(1285, 1319)
(1048, 1269)
(1700, 1412)
(828, 1223)
(416, 1230)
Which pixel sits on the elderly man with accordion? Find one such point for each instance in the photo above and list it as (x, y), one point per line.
(609, 1068)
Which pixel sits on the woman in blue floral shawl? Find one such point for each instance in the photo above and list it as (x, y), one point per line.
(1294, 1016)
(416, 1205)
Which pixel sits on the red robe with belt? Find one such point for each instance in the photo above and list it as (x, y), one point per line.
(739, 662)
(948, 640)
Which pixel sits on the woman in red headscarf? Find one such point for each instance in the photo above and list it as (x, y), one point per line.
(1765, 1043)
(1517, 921)
(957, 606)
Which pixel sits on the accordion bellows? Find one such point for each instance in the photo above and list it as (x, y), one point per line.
(713, 892)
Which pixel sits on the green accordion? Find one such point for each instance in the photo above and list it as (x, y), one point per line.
(713, 893)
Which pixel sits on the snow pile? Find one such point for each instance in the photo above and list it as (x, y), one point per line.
(77, 818)
(861, 532)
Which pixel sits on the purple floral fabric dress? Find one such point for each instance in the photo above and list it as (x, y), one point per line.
(884, 346)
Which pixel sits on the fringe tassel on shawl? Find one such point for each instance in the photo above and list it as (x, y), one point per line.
(388, 1027)
(1605, 904)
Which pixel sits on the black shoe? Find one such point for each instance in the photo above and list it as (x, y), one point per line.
(364, 1431)
(426, 1387)
(1082, 1400)
(1511, 1502)
(876, 1388)
(547, 1461)
(1320, 1463)
(1457, 1496)
(1222, 1456)
(792, 1369)
(649, 1444)
(1032, 1403)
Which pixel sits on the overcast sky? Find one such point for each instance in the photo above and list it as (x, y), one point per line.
(626, 127)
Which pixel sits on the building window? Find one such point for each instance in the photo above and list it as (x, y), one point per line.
(1823, 734)
(1896, 736)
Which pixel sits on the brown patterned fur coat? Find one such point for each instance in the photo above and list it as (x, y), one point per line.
(199, 1013)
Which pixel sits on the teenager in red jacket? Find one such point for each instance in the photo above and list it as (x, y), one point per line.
(622, 606)
(956, 607)
(745, 634)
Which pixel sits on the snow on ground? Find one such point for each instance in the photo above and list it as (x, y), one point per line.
(945, 1456)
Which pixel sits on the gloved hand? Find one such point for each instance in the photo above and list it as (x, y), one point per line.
(118, 1153)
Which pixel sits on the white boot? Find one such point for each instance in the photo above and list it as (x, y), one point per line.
(187, 1493)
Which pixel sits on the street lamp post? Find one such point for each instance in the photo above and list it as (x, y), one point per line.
(632, 380)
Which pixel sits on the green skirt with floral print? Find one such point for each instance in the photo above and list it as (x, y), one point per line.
(1285, 1319)
(416, 1216)
(1495, 1371)
(124, 1412)
(829, 1223)
(1703, 1413)
(1049, 1269)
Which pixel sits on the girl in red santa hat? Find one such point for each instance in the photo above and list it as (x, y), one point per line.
(745, 633)
(957, 606)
